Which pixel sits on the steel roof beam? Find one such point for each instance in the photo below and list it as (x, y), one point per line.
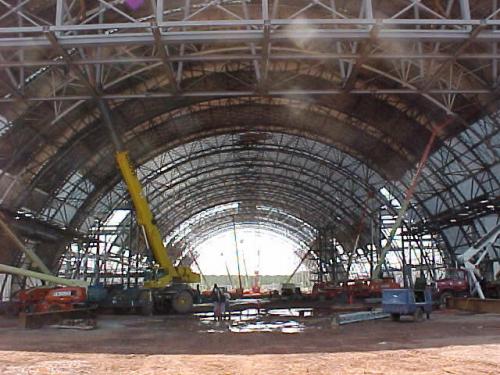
(229, 93)
(319, 56)
(233, 36)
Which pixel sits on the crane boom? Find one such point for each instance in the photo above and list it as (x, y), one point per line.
(146, 220)
(478, 251)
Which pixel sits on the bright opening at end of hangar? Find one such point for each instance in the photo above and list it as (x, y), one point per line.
(261, 250)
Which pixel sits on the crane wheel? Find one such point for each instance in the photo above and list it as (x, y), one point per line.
(442, 300)
(182, 302)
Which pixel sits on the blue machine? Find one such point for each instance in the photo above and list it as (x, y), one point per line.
(399, 302)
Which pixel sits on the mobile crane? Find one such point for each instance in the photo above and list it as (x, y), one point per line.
(468, 281)
(169, 286)
(474, 255)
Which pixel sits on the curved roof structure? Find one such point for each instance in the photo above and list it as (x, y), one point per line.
(297, 115)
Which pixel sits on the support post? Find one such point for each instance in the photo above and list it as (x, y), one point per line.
(237, 254)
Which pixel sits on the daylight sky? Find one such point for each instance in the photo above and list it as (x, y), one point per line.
(277, 255)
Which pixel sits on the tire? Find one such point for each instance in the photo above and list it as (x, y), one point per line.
(395, 317)
(443, 298)
(182, 302)
(418, 315)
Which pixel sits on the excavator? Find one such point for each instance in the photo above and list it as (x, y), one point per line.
(168, 288)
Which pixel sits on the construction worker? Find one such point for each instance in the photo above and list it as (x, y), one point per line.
(198, 294)
(219, 300)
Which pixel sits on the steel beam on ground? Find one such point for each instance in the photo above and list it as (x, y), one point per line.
(360, 316)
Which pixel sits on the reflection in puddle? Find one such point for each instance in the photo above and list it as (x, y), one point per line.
(300, 312)
(283, 327)
(260, 320)
(248, 314)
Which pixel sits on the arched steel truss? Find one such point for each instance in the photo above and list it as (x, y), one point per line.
(305, 107)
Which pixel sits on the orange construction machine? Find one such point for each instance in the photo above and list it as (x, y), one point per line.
(41, 299)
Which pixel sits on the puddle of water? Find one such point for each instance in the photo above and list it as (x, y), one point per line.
(281, 327)
(248, 314)
(297, 312)
(255, 320)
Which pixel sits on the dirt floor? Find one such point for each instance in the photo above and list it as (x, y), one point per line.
(450, 343)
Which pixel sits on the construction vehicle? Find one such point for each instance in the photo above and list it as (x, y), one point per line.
(454, 284)
(47, 299)
(468, 281)
(472, 258)
(167, 286)
(63, 299)
(404, 301)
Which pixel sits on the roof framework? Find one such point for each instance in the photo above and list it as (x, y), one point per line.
(297, 111)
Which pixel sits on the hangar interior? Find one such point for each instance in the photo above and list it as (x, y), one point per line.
(305, 118)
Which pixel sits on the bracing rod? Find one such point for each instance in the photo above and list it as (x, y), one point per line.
(42, 276)
(29, 253)
(408, 196)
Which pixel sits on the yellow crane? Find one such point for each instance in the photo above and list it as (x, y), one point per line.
(168, 286)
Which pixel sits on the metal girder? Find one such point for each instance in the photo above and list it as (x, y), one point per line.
(313, 56)
(360, 31)
(41, 276)
(35, 259)
(216, 93)
(165, 58)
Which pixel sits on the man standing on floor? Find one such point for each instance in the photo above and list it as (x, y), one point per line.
(219, 300)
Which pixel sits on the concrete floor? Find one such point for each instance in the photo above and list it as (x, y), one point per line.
(450, 343)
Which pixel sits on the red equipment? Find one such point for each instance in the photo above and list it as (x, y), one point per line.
(42, 299)
(27, 299)
(376, 286)
(326, 290)
(360, 288)
(66, 298)
(455, 283)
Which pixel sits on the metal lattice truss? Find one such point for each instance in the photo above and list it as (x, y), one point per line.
(290, 114)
